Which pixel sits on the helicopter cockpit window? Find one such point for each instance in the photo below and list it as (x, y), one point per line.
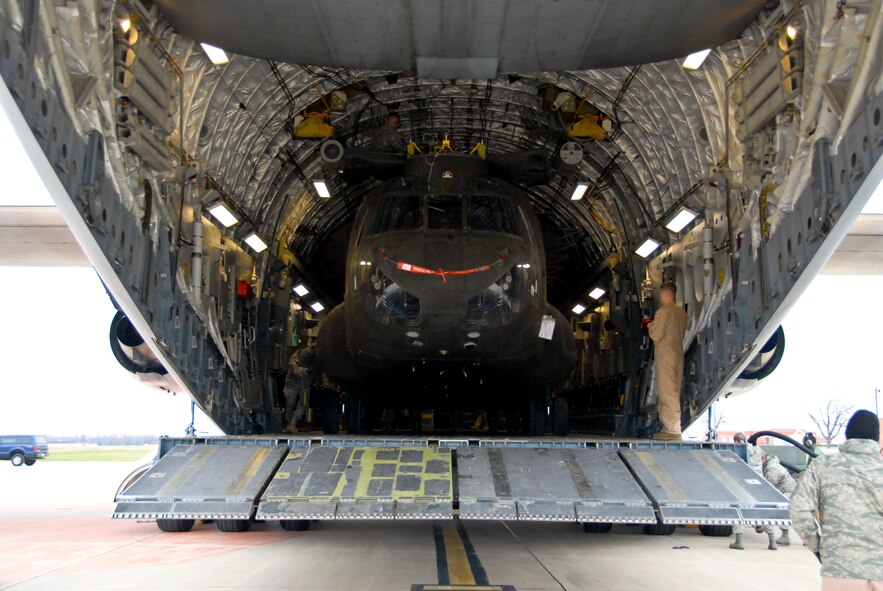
(396, 213)
(488, 213)
(445, 212)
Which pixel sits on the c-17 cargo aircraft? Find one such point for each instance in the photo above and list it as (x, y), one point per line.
(471, 205)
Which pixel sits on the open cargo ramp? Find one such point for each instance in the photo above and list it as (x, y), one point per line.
(359, 482)
(705, 487)
(580, 483)
(584, 481)
(198, 481)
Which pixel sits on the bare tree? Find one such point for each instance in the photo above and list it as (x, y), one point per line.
(831, 419)
(719, 419)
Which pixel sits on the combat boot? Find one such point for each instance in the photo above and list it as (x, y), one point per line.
(772, 536)
(737, 545)
(784, 539)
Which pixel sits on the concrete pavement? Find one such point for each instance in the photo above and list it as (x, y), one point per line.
(56, 534)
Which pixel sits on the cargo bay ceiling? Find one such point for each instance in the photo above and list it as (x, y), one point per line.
(666, 122)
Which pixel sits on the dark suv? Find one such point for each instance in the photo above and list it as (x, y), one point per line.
(23, 449)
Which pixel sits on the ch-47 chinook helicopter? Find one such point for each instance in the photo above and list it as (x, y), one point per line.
(446, 285)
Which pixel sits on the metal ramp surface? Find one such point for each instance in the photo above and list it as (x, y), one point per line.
(549, 484)
(351, 482)
(202, 482)
(587, 481)
(706, 487)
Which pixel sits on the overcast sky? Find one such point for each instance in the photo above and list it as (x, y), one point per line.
(59, 376)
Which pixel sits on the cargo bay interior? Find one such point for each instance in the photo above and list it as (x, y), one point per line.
(215, 163)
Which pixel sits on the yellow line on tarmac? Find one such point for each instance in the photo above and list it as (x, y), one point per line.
(459, 571)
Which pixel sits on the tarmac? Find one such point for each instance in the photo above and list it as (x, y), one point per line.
(56, 534)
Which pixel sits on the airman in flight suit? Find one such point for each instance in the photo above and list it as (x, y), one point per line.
(667, 331)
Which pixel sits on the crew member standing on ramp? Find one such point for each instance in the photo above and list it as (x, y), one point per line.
(667, 331)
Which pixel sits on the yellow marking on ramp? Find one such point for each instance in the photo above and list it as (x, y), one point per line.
(251, 468)
(728, 481)
(668, 485)
(369, 460)
(341, 482)
(190, 467)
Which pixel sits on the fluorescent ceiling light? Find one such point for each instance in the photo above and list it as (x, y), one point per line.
(680, 221)
(215, 54)
(317, 306)
(579, 309)
(597, 293)
(221, 213)
(301, 290)
(648, 248)
(254, 241)
(578, 191)
(694, 60)
(322, 189)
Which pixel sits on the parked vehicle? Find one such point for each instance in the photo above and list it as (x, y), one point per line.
(23, 449)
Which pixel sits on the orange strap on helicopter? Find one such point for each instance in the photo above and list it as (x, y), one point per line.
(411, 268)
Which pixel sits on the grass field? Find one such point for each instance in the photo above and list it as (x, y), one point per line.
(97, 453)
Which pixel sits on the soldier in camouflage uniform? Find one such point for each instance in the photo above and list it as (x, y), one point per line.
(300, 378)
(837, 508)
(777, 475)
(387, 138)
(755, 460)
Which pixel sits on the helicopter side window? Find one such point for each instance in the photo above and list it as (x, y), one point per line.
(488, 213)
(396, 213)
(445, 212)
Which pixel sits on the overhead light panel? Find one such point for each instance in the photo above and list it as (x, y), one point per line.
(222, 213)
(216, 55)
(301, 290)
(579, 309)
(648, 248)
(597, 293)
(255, 242)
(694, 60)
(317, 306)
(680, 221)
(322, 189)
(578, 191)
